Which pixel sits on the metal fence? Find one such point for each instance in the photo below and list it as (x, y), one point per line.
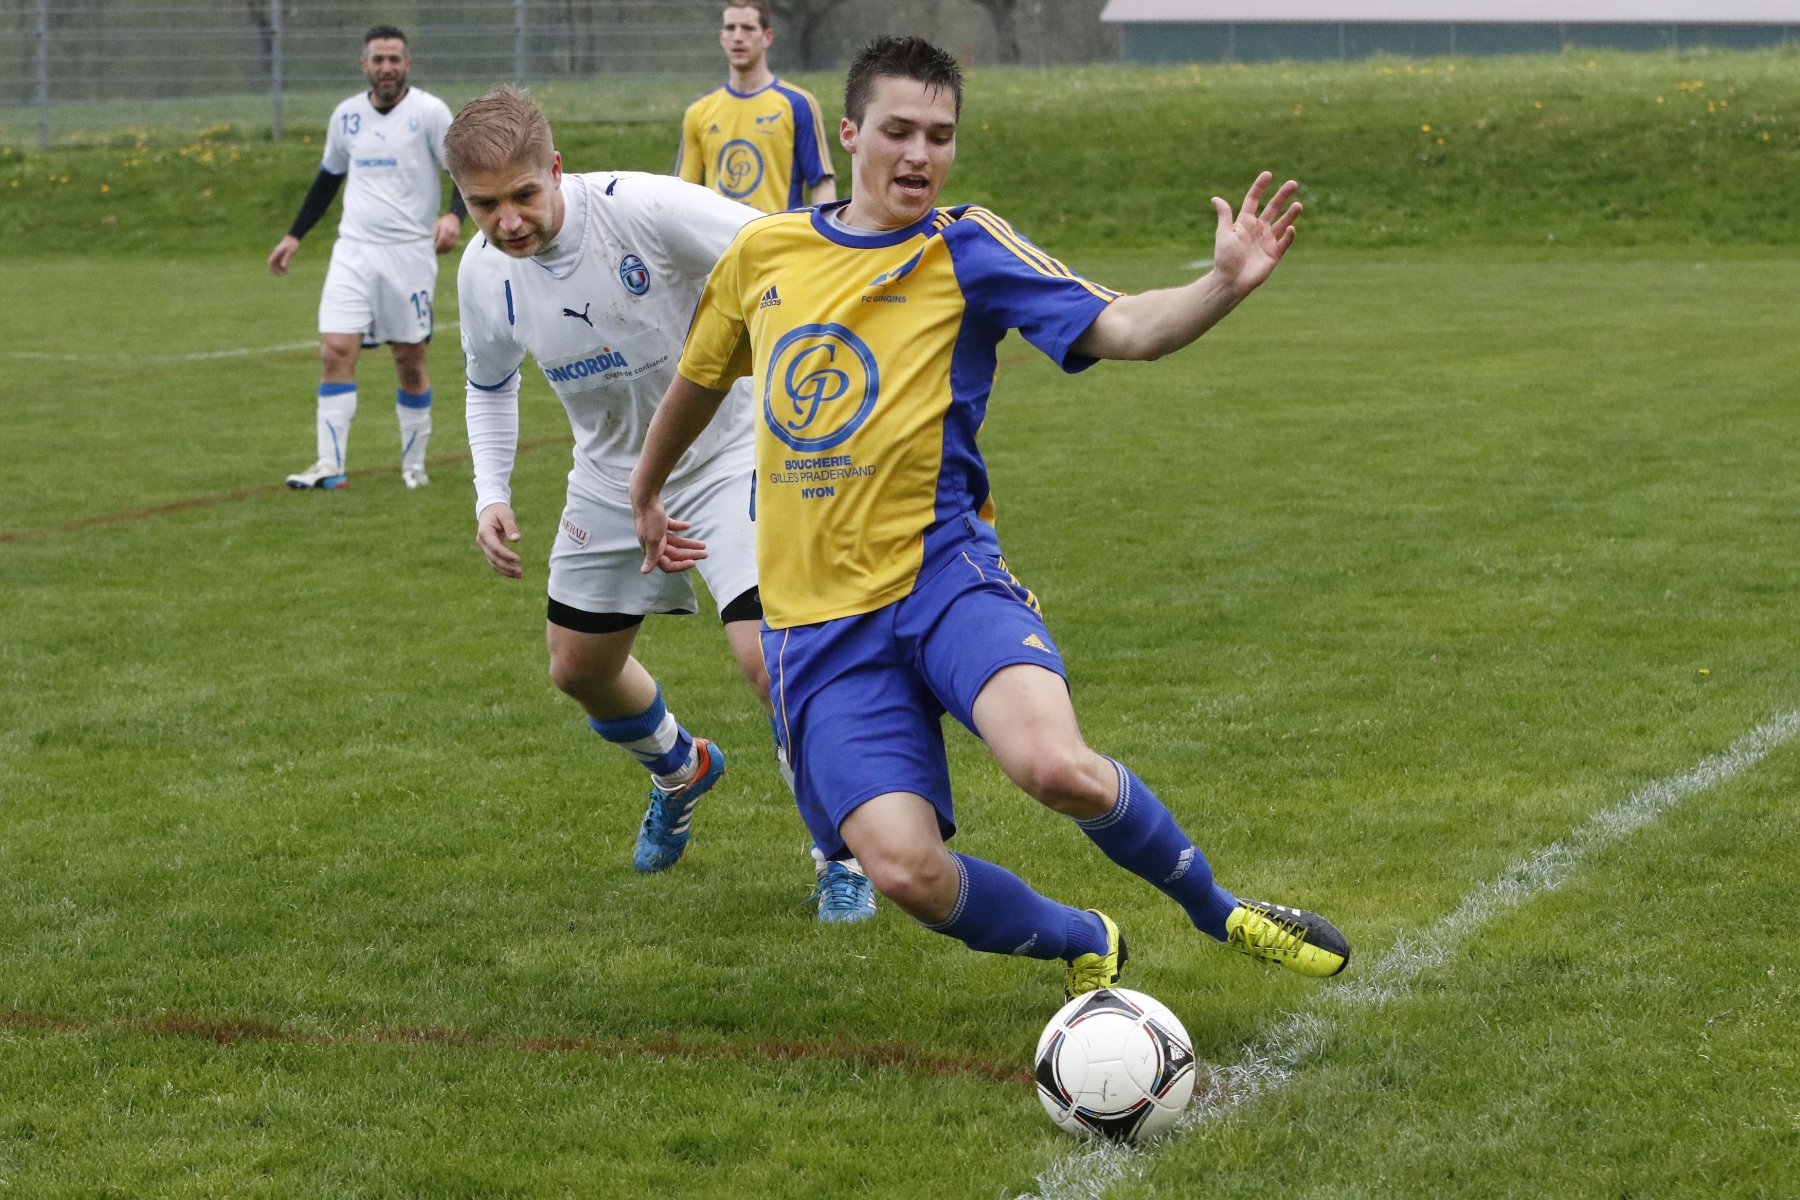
(84, 71)
(106, 59)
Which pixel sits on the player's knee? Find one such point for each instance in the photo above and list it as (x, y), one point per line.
(1063, 778)
(575, 673)
(917, 882)
(335, 358)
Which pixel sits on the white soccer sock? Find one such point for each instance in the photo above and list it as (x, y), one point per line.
(818, 857)
(337, 408)
(680, 778)
(414, 411)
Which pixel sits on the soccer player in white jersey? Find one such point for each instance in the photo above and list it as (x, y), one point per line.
(596, 276)
(389, 141)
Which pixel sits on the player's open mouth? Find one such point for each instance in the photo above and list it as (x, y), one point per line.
(912, 183)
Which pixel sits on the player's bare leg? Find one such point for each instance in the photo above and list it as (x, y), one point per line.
(1025, 716)
(896, 839)
(338, 353)
(625, 706)
(986, 907)
(412, 406)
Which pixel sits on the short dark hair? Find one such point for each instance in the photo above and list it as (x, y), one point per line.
(386, 31)
(899, 58)
(761, 6)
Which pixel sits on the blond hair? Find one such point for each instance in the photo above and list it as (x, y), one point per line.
(497, 129)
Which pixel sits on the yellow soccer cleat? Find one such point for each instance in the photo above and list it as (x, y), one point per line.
(1091, 972)
(1299, 940)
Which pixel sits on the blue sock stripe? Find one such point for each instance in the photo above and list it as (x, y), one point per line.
(406, 399)
(335, 389)
(675, 759)
(1121, 806)
(632, 729)
(962, 897)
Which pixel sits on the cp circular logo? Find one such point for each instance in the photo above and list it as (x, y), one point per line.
(820, 387)
(634, 274)
(740, 168)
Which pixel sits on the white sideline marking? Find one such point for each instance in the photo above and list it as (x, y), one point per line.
(1272, 1061)
(200, 356)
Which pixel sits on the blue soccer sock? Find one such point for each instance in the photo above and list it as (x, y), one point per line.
(998, 913)
(1141, 836)
(654, 737)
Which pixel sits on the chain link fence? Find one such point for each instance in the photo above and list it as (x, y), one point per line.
(105, 71)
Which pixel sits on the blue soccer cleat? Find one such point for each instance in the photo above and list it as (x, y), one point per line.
(664, 838)
(843, 895)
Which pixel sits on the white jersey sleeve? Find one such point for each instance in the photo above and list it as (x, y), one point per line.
(492, 356)
(695, 224)
(337, 142)
(437, 124)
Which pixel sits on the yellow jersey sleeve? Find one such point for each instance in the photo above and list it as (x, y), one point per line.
(718, 353)
(690, 157)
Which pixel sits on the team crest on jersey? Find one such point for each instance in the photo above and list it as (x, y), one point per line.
(740, 168)
(821, 385)
(634, 274)
(412, 123)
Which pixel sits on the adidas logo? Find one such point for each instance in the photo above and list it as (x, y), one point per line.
(714, 129)
(1036, 643)
(769, 299)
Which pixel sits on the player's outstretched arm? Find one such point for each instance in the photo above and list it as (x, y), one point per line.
(1245, 251)
(685, 412)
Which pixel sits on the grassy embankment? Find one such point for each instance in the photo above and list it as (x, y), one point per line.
(1602, 150)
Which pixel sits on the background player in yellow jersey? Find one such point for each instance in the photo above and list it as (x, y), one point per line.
(870, 328)
(757, 139)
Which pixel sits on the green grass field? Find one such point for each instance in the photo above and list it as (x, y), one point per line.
(312, 885)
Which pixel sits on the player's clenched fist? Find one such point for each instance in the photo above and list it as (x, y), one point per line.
(494, 528)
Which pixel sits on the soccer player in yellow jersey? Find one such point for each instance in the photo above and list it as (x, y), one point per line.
(870, 329)
(757, 139)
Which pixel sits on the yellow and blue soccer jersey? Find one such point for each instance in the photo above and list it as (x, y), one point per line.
(873, 356)
(763, 148)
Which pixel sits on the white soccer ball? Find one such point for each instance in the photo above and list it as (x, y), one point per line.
(1114, 1064)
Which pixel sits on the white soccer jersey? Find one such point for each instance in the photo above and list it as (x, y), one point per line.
(393, 160)
(607, 333)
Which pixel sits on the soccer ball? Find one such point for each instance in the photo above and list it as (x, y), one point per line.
(1114, 1063)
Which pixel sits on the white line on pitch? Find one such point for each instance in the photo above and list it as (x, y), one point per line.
(198, 356)
(1272, 1061)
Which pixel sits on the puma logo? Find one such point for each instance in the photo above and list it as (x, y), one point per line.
(582, 315)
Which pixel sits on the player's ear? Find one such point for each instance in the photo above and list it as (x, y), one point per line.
(847, 132)
(556, 171)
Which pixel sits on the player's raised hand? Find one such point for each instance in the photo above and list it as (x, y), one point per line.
(283, 253)
(494, 528)
(662, 548)
(1248, 246)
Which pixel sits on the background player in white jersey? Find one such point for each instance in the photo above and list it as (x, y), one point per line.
(390, 142)
(596, 277)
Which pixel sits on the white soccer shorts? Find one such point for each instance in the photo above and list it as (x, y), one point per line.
(382, 292)
(595, 559)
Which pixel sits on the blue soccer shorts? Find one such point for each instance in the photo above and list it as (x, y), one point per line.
(858, 701)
